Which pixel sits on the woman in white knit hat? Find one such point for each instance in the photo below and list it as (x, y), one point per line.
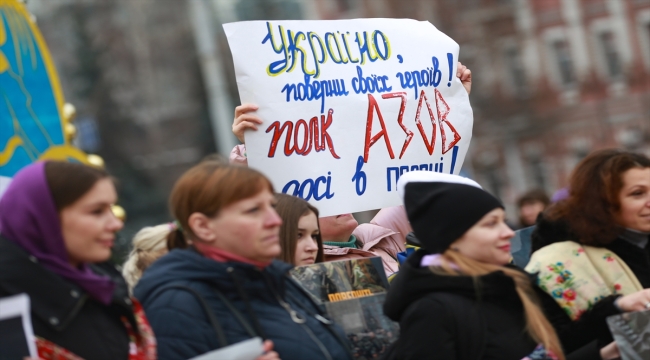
(456, 297)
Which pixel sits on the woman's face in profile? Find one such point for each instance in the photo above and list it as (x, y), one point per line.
(307, 243)
(249, 228)
(488, 240)
(634, 198)
(88, 225)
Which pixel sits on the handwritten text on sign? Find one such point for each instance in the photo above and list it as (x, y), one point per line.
(350, 105)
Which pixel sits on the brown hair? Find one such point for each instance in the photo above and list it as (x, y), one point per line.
(538, 327)
(291, 209)
(593, 203)
(529, 198)
(207, 188)
(533, 196)
(68, 182)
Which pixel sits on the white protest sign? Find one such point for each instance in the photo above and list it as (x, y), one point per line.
(4, 184)
(16, 334)
(349, 105)
(249, 349)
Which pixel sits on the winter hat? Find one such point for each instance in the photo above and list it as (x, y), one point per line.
(442, 207)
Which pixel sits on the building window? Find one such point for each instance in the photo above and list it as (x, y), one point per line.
(268, 10)
(345, 5)
(493, 181)
(647, 32)
(516, 69)
(610, 53)
(537, 172)
(563, 57)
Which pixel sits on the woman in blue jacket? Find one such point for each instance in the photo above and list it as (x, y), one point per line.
(226, 286)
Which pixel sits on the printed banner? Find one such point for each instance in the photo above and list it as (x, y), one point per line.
(342, 280)
(353, 293)
(632, 334)
(370, 331)
(350, 105)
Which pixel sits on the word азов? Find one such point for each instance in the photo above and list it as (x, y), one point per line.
(442, 108)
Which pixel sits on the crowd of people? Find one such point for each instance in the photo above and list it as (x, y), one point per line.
(218, 274)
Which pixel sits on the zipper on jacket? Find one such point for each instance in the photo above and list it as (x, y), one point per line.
(247, 302)
(297, 318)
(328, 323)
(77, 308)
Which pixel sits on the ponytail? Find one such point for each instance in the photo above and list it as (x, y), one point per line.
(176, 240)
(149, 244)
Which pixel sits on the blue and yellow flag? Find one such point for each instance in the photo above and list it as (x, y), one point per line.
(32, 123)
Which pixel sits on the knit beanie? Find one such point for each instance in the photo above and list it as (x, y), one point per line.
(442, 207)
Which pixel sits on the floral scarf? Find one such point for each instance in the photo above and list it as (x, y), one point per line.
(578, 276)
(142, 345)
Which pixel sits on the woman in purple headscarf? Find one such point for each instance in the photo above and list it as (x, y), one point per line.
(56, 233)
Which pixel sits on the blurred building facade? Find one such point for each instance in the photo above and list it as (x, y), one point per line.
(131, 70)
(136, 72)
(556, 79)
(552, 80)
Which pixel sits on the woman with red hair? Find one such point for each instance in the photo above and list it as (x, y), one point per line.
(591, 252)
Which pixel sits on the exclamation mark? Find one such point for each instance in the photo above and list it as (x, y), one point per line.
(450, 60)
(454, 155)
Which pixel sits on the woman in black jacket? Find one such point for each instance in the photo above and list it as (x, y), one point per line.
(456, 298)
(604, 224)
(56, 231)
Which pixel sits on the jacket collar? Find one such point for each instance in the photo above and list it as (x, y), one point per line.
(369, 235)
(414, 282)
(53, 300)
(182, 265)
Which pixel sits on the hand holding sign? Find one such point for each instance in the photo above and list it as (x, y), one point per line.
(348, 106)
(245, 120)
(269, 354)
(465, 76)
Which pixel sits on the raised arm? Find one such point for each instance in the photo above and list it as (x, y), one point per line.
(245, 119)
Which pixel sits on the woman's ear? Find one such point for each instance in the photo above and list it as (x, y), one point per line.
(200, 225)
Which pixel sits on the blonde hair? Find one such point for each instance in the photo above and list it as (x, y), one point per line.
(149, 244)
(538, 327)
